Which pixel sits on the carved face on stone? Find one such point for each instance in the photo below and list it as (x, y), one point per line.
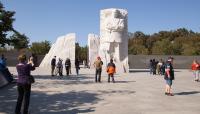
(116, 14)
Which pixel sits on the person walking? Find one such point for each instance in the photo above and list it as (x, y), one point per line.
(111, 69)
(195, 69)
(67, 66)
(77, 66)
(23, 84)
(98, 65)
(169, 76)
(53, 65)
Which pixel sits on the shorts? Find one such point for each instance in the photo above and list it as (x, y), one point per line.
(169, 82)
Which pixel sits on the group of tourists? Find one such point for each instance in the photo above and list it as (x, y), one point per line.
(157, 67)
(166, 69)
(57, 68)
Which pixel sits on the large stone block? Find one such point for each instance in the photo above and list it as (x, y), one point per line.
(63, 48)
(93, 48)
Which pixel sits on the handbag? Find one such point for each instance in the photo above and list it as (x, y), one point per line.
(32, 79)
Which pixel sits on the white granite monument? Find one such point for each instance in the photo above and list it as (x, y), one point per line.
(114, 38)
(63, 48)
(93, 48)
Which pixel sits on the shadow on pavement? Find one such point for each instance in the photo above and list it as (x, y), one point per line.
(188, 93)
(124, 81)
(124, 92)
(41, 103)
(71, 77)
(8, 98)
(144, 70)
(64, 103)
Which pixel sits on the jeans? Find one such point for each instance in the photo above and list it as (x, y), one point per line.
(151, 70)
(196, 74)
(24, 92)
(67, 70)
(111, 75)
(77, 70)
(169, 82)
(98, 75)
(60, 71)
(52, 69)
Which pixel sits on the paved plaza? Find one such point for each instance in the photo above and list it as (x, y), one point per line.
(133, 93)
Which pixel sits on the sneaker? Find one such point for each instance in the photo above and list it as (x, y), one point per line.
(166, 93)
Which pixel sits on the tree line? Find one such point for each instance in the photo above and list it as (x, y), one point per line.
(174, 42)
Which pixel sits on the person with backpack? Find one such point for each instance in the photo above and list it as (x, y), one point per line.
(111, 69)
(67, 66)
(195, 69)
(98, 65)
(169, 76)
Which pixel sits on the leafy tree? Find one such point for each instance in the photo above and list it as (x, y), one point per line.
(81, 52)
(6, 22)
(177, 42)
(139, 34)
(40, 48)
(137, 50)
(191, 46)
(19, 41)
(161, 47)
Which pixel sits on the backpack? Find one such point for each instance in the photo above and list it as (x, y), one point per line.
(171, 72)
(111, 70)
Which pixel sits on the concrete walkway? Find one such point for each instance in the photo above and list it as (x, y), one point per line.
(134, 93)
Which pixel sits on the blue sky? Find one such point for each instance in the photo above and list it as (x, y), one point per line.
(47, 19)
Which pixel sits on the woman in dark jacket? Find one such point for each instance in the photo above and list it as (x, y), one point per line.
(23, 83)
